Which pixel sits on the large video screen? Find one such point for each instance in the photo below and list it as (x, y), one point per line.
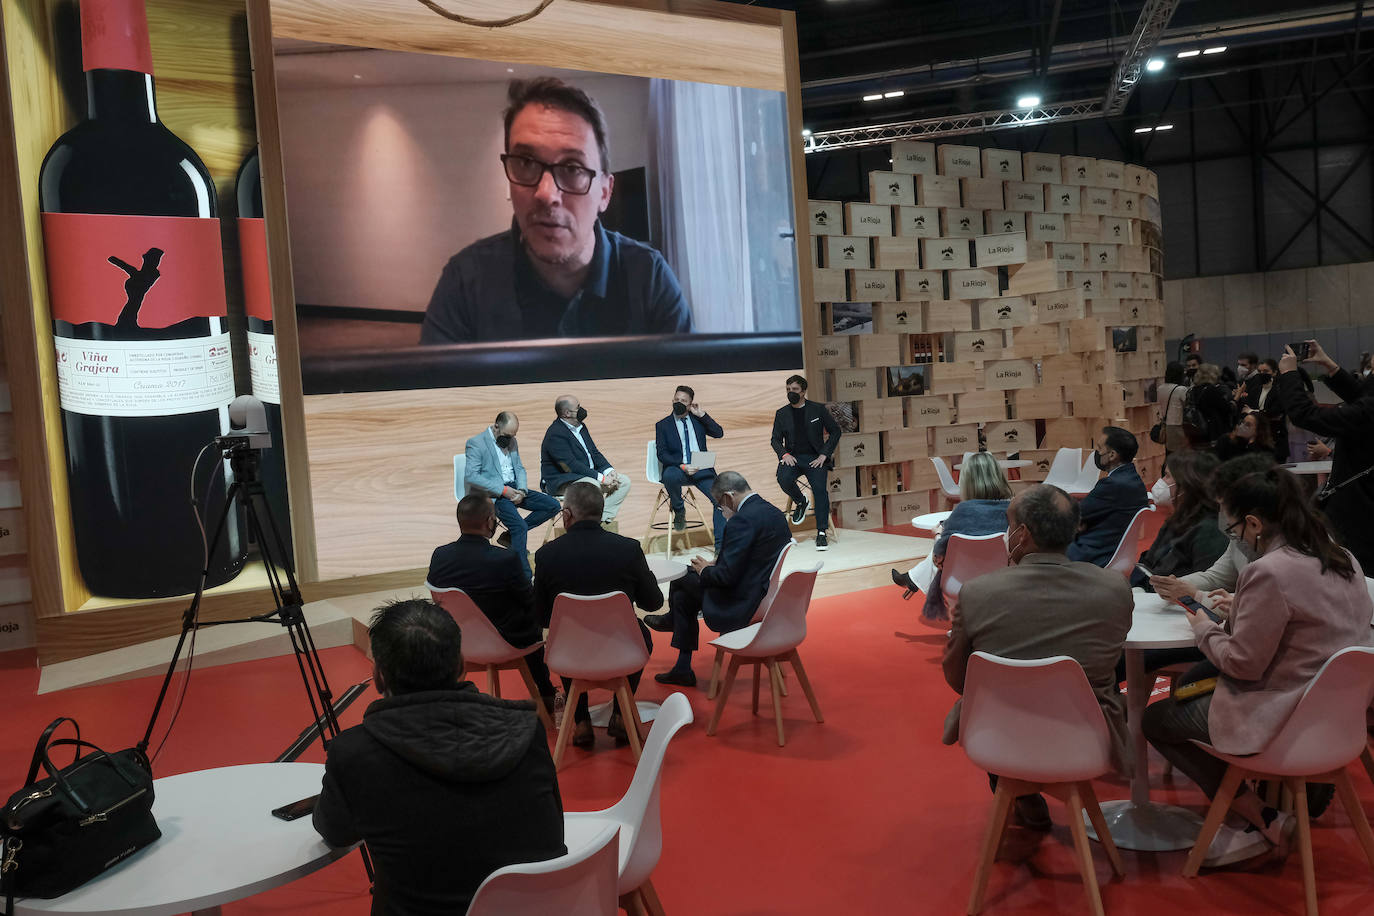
(454, 205)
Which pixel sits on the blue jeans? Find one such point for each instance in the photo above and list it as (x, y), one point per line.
(540, 506)
(673, 482)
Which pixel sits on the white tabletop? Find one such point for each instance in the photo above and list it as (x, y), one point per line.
(666, 570)
(1158, 624)
(1309, 467)
(1007, 464)
(930, 521)
(219, 843)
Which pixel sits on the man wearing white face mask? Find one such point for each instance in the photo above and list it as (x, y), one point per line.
(1044, 604)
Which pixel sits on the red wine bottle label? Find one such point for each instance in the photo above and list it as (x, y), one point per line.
(262, 366)
(257, 286)
(114, 36)
(133, 271)
(144, 378)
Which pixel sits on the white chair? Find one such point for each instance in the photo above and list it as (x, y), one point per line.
(1087, 479)
(770, 641)
(636, 815)
(1369, 584)
(1324, 734)
(764, 604)
(484, 647)
(595, 640)
(967, 557)
(1128, 550)
(580, 883)
(460, 466)
(947, 485)
(653, 472)
(1065, 468)
(1038, 726)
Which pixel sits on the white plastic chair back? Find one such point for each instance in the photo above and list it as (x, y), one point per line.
(482, 643)
(1065, 468)
(1327, 728)
(947, 484)
(1087, 478)
(968, 557)
(774, 581)
(582, 883)
(784, 626)
(460, 466)
(1128, 551)
(1035, 720)
(653, 471)
(1369, 583)
(594, 638)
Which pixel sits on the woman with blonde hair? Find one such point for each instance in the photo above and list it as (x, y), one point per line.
(1206, 409)
(984, 495)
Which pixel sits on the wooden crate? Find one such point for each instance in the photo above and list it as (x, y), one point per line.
(921, 476)
(1046, 227)
(1004, 164)
(1086, 400)
(1006, 312)
(1009, 435)
(1062, 369)
(854, 385)
(1007, 374)
(827, 216)
(1023, 196)
(1127, 204)
(1111, 173)
(843, 484)
(858, 449)
(1146, 286)
(1119, 231)
(1000, 250)
(1042, 167)
(952, 377)
(937, 191)
(1099, 201)
(1039, 469)
(867, 219)
(1063, 198)
(1134, 178)
(961, 222)
(1034, 340)
(907, 443)
(898, 318)
(987, 406)
(1058, 305)
(861, 514)
(918, 222)
(1033, 277)
(876, 416)
(1068, 255)
(949, 315)
(1079, 170)
(832, 351)
(829, 285)
(1086, 334)
(978, 345)
(901, 508)
(920, 284)
(1082, 227)
(1100, 366)
(1120, 285)
(929, 410)
(873, 285)
(1133, 258)
(874, 351)
(1067, 432)
(960, 161)
(913, 157)
(894, 252)
(976, 283)
(946, 253)
(953, 441)
(983, 193)
(1040, 403)
(1105, 308)
(1091, 283)
(847, 252)
(885, 479)
(892, 188)
(1004, 221)
(1103, 257)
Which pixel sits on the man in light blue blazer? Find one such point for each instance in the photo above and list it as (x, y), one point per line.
(494, 468)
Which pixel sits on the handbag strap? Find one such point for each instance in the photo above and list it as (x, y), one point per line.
(40, 751)
(9, 848)
(96, 755)
(1168, 402)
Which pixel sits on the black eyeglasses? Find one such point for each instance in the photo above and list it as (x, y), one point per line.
(569, 177)
(1226, 530)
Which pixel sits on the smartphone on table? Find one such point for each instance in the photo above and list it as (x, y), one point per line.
(1197, 607)
(296, 810)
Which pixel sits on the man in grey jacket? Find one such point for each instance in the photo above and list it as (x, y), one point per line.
(494, 468)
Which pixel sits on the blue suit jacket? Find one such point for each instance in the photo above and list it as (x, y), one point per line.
(562, 460)
(668, 440)
(483, 472)
(734, 585)
(1106, 513)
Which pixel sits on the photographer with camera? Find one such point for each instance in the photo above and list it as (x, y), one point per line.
(1348, 497)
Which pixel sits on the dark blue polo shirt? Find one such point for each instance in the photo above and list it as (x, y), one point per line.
(491, 291)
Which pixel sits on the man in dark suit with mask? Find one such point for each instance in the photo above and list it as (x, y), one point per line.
(677, 438)
(805, 437)
(727, 592)
(568, 454)
(1106, 512)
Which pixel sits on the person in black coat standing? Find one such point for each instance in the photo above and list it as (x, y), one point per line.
(1351, 500)
(1106, 512)
(589, 560)
(443, 783)
(727, 591)
(805, 437)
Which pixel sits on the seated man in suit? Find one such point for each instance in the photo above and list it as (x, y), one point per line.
(495, 469)
(805, 437)
(1044, 604)
(568, 454)
(727, 591)
(495, 581)
(589, 560)
(677, 438)
(1106, 511)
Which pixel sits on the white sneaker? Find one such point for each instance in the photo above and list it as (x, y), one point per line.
(1231, 845)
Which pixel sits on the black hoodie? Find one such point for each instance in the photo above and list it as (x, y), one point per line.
(445, 786)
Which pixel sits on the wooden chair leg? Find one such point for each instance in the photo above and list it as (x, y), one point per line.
(1309, 875)
(629, 716)
(1099, 823)
(649, 525)
(724, 694)
(651, 898)
(493, 681)
(757, 671)
(992, 838)
(715, 676)
(1355, 811)
(1083, 849)
(539, 707)
(795, 659)
(1226, 792)
(566, 729)
(701, 517)
(633, 904)
(776, 681)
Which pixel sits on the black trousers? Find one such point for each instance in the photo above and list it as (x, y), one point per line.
(583, 711)
(684, 603)
(816, 477)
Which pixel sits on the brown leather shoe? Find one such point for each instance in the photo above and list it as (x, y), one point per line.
(582, 734)
(616, 729)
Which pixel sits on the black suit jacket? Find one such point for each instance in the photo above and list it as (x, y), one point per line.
(589, 560)
(562, 460)
(494, 580)
(733, 586)
(1106, 513)
(823, 433)
(668, 440)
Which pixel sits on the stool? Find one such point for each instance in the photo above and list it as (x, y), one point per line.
(832, 533)
(653, 472)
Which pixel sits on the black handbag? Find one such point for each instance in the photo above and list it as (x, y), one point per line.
(63, 830)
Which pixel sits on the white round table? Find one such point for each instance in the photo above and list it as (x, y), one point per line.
(930, 521)
(220, 843)
(1007, 464)
(1308, 467)
(666, 570)
(1137, 822)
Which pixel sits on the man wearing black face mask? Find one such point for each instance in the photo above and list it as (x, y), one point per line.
(568, 454)
(1106, 512)
(678, 437)
(805, 437)
(494, 468)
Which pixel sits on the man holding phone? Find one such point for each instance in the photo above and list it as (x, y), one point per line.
(494, 468)
(680, 440)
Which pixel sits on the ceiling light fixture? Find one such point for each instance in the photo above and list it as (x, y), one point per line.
(1028, 101)
(1143, 130)
(1164, 127)
(895, 94)
(1216, 50)
(806, 131)
(1193, 53)
(1154, 64)
(874, 97)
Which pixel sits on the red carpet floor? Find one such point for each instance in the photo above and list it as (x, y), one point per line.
(867, 813)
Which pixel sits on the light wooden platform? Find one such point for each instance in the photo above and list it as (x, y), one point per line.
(856, 560)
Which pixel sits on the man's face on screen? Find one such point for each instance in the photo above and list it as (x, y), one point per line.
(557, 226)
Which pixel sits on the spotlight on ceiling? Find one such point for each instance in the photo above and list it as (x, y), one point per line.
(1217, 50)
(1154, 64)
(1159, 127)
(896, 94)
(1184, 54)
(806, 131)
(873, 97)
(1143, 130)
(1028, 101)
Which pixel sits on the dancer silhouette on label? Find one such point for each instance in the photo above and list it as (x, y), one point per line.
(141, 279)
